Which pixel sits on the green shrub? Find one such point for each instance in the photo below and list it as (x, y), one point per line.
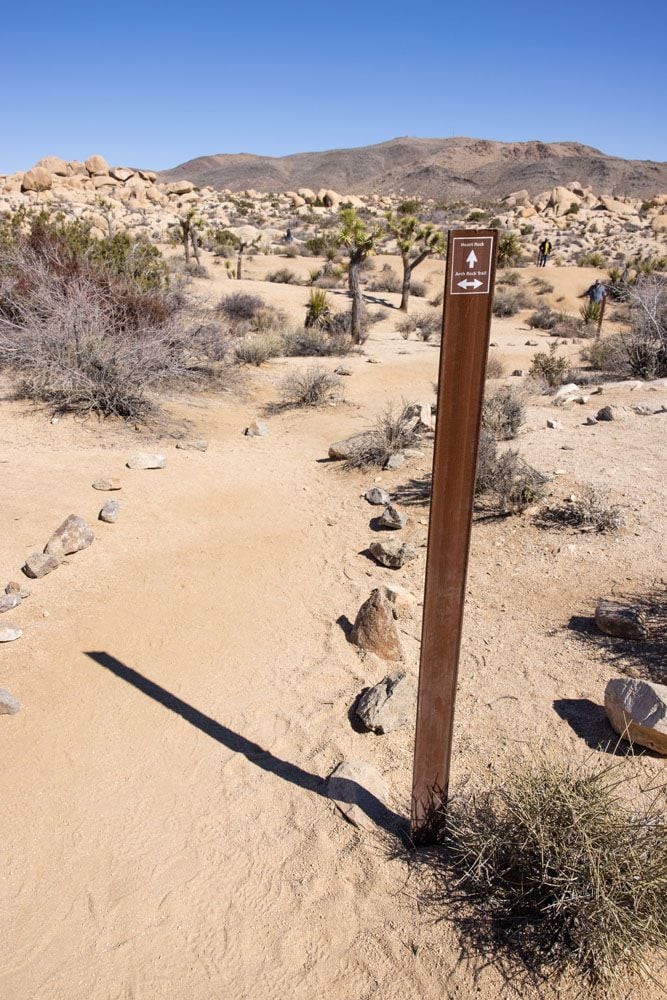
(549, 367)
(476, 216)
(319, 312)
(509, 250)
(591, 312)
(591, 259)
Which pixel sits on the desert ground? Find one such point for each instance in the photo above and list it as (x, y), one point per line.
(186, 680)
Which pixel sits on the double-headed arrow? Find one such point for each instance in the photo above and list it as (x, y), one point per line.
(469, 284)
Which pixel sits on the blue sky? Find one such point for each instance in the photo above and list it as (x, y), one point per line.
(154, 85)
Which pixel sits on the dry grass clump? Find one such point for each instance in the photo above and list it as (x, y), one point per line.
(557, 870)
(507, 484)
(310, 342)
(509, 301)
(503, 412)
(241, 307)
(313, 387)
(588, 511)
(494, 367)
(256, 348)
(283, 276)
(393, 431)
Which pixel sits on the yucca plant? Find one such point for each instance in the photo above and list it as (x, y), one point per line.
(509, 250)
(319, 312)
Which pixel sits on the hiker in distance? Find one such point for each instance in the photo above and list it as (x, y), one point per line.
(545, 248)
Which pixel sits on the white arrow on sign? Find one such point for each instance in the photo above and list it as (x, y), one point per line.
(469, 284)
(471, 259)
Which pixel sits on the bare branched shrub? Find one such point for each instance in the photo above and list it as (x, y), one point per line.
(241, 307)
(394, 430)
(551, 367)
(646, 342)
(257, 348)
(558, 870)
(283, 276)
(313, 387)
(494, 367)
(504, 412)
(505, 481)
(508, 302)
(313, 343)
(427, 324)
(587, 511)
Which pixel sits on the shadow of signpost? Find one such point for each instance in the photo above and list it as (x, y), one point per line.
(253, 752)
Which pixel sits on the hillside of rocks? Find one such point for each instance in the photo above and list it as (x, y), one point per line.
(576, 218)
(447, 170)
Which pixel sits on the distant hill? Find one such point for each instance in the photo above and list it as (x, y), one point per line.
(443, 169)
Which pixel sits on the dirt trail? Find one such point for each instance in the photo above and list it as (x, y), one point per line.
(165, 829)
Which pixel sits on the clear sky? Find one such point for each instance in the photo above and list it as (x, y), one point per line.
(155, 84)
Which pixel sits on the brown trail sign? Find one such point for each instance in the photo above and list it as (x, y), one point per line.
(469, 283)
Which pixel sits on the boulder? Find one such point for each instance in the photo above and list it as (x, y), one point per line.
(392, 554)
(39, 564)
(401, 600)
(360, 793)
(331, 199)
(392, 518)
(37, 179)
(395, 461)
(606, 413)
(343, 370)
(146, 460)
(307, 194)
(8, 633)
(623, 621)
(614, 206)
(256, 429)
(72, 536)
(377, 497)
(391, 704)
(374, 628)
(349, 446)
(9, 705)
(637, 710)
(54, 165)
(96, 166)
(659, 224)
(179, 187)
(110, 512)
(121, 173)
(553, 424)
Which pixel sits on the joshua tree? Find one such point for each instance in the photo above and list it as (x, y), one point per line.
(189, 224)
(509, 250)
(241, 248)
(416, 242)
(360, 242)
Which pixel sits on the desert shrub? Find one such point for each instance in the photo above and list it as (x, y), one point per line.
(509, 250)
(393, 431)
(291, 250)
(494, 367)
(476, 216)
(283, 276)
(503, 412)
(313, 274)
(314, 342)
(541, 286)
(591, 312)
(589, 511)
(437, 299)
(559, 869)
(427, 325)
(387, 281)
(318, 312)
(222, 242)
(509, 278)
(507, 483)
(406, 326)
(419, 289)
(240, 307)
(591, 259)
(543, 318)
(313, 387)
(508, 302)
(318, 246)
(256, 348)
(646, 341)
(549, 367)
(411, 206)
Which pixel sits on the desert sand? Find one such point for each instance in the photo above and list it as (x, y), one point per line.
(186, 680)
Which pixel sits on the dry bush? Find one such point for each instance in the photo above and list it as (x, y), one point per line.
(427, 325)
(419, 289)
(386, 281)
(508, 302)
(589, 511)
(558, 870)
(507, 484)
(543, 318)
(549, 367)
(393, 431)
(283, 276)
(494, 367)
(608, 354)
(504, 412)
(241, 307)
(313, 387)
(406, 326)
(508, 278)
(256, 348)
(312, 342)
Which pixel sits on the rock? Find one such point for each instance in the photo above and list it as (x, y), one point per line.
(637, 710)
(391, 704)
(606, 413)
(392, 554)
(360, 792)
(553, 424)
(518, 373)
(392, 518)
(121, 173)
(400, 599)
(110, 512)
(9, 705)
(377, 496)
(342, 370)
(9, 602)
(620, 620)
(10, 632)
(590, 421)
(564, 391)
(374, 628)
(199, 445)
(256, 429)
(659, 223)
(374, 361)
(180, 187)
(349, 446)
(39, 564)
(72, 536)
(54, 165)
(146, 460)
(395, 461)
(107, 484)
(532, 343)
(97, 166)
(14, 587)
(37, 179)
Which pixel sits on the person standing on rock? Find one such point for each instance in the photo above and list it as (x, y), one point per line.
(545, 248)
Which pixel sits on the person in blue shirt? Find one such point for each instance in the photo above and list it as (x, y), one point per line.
(596, 293)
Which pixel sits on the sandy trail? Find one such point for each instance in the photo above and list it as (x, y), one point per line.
(165, 829)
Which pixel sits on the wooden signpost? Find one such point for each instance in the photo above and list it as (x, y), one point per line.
(469, 284)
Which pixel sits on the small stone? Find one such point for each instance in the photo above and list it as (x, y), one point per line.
(567, 447)
(39, 564)
(55, 420)
(199, 445)
(532, 343)
(624, 621)
(590, 421)
(72, 536)
(110, 512)
(642, 410)
(256, 429)
(22, 589)
(637, 709)
(342, 370)
(395, 461)
(606, 413)
(9, 705)
(360, 792)
(374, 361)
(400, 599)
(377, 496)
(9, 602)
(392, 554)
(392, 518)
(553, 424)
(107, 484)
(10, 632)
(581, 400)
(391, 704)
(374, 628)
(518, 373)
(146, 460)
